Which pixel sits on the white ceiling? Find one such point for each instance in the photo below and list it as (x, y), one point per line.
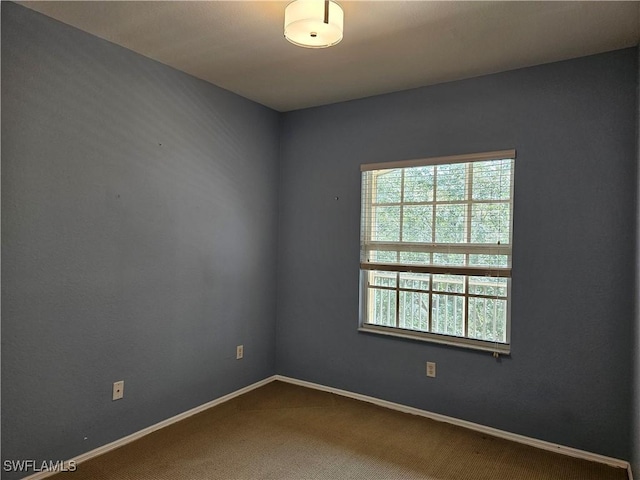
(387, 46)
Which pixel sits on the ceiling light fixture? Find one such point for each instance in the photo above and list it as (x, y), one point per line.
(313, 23)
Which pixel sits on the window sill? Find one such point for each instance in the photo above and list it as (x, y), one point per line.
(499, 348)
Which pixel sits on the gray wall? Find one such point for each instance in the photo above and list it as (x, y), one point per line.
(635, 441)
(139, 230)
(574, 126)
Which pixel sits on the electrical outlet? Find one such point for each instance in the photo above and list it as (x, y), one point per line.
(239, 352)
(118, 390)
(431, 369)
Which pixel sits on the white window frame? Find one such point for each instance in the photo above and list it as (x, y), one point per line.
(467, 271)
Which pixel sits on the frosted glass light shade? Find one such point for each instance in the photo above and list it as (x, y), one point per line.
(313, 23)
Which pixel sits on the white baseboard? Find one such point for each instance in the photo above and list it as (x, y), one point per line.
(146, 431)
(553, 447)
(569, 451)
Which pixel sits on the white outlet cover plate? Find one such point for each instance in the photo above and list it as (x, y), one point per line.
(118, 390)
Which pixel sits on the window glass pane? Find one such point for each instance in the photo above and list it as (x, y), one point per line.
(492, 180)
(415, 258)
(414, 311)
(487, 319)
(386, 226)
(498, 261)
(417, 223)
(382, 307)
(415, 281)
(387, 186)
(448, 314)
(418, 184)
(451, 224)
(381, 256)
(449, 259)
(490, 223)
(492, 286)
(382, 279)
(449, 283)
(451, 182)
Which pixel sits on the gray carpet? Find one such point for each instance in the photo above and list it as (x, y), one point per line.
(282, 431)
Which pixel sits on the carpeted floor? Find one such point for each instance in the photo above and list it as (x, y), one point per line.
(282, 431)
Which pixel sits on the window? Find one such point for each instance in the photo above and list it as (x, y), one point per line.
(435, 253)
